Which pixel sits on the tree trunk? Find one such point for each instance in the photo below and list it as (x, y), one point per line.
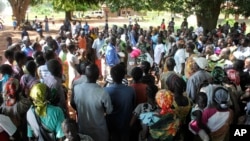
(68, 15)
(19, 8)
(209, 14)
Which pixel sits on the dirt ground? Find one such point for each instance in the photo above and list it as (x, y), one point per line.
(16, 37)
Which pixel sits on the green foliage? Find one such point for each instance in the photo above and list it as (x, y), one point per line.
(42, 9)
(230, 21)
(241, 7)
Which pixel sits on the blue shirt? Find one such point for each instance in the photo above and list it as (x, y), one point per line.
(111, 56)
(123, 101)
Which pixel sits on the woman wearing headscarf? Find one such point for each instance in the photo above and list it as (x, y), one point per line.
(15, 105)
(50, 116)
(165, 124)
(219, 117)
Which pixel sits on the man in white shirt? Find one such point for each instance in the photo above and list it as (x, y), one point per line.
(158, 51)
(97, 45)
(180, 57)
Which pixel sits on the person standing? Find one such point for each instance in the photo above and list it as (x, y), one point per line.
(123, 99)
(97, 45)
(46, 21)
(92, 103)
(111, 55)
(72, 62)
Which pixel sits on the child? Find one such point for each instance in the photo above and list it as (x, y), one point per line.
(195, 125)
(70, 130)
(149, 107)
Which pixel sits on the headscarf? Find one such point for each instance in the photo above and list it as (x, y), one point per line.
(164, 99)
(221, 97)
(10, 91)
(218, 75)
(38, 94)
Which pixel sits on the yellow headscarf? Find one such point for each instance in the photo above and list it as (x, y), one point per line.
(38, 94)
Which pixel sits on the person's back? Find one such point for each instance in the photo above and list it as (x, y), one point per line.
(123, 100)
(91, 103)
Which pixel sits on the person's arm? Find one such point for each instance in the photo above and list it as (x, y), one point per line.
(198, 115)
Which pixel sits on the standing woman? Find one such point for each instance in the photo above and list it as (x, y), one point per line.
(72, 62)
(46, 21)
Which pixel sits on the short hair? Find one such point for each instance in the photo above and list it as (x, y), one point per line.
(151, 91)
(145, 65)
(49, 54)
(19, 55)
(55, 67)
(92, 72)
(191, 44)
(136, 73)
(31, 67)
(170, 63)
(6, 69)
(82, 67)
(117, 73)
(9, 53)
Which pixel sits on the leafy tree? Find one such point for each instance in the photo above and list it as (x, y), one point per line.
(19, 8)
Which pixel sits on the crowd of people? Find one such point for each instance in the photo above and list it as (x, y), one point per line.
(126, 83)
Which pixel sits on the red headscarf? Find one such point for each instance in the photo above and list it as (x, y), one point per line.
(10, 91)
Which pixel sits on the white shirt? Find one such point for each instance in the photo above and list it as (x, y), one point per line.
(159, 49)
(97, 45)
(179, 58)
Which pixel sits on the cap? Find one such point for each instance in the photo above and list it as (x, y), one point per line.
(201, 62)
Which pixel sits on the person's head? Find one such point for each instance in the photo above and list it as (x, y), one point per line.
(151, 91)
(39, 58)
(218, 75)
(159, 40)
(36, 46)
(100, 35)
(10, 91)
(201, 63)
(247, 63)
(209, 49)
(70, 129)
(225, 53)
(49, 54)
(238, 65)
(20, 58)
(145, 65)
(31, 67)
(39, 95)
(164, 99)
(6, 69)
(9, 40)
(136, 74)
(201, 100)
(55, 67)
(63, 47)
(170, 63)
(82, 67)
(113, 40)
(9, 55)
(245, 41)
(92, 73)
(117, 73)
(71, 48)
(221, 98)
(190, 46)
(176, 84)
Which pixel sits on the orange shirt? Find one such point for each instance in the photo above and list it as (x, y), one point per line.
(82, 43)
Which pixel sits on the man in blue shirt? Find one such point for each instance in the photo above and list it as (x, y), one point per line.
(111, 54)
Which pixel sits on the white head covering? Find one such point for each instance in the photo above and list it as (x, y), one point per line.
(201, 62)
